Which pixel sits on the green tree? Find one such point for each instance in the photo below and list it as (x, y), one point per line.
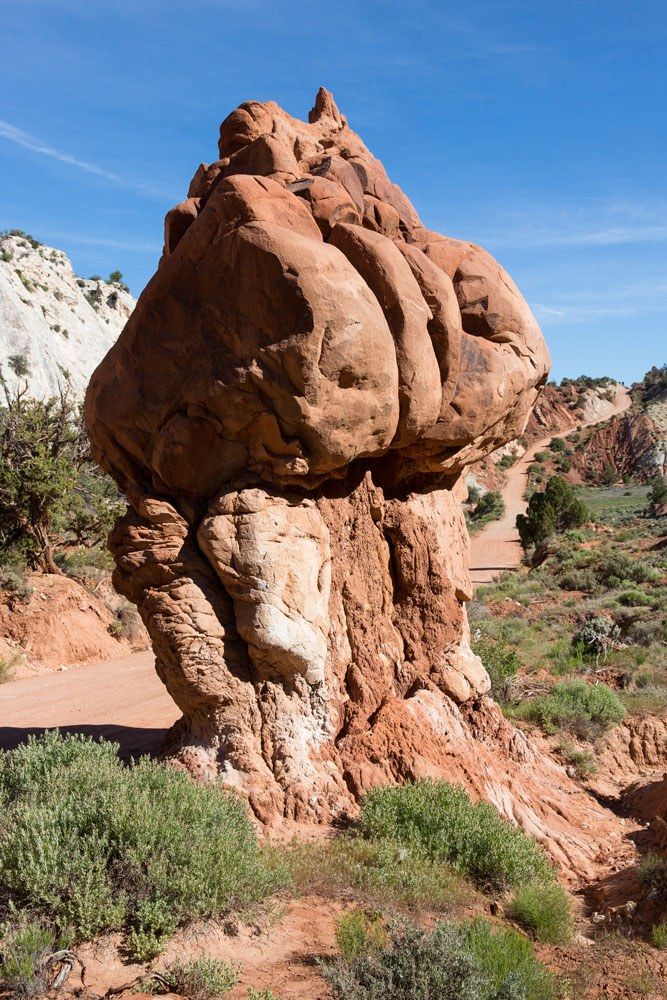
(116, 278)
(47, 480)
(551, 511)
(657, 495)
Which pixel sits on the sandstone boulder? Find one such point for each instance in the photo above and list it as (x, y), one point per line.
(289, 411)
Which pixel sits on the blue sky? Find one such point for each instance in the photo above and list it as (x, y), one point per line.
(538, 129)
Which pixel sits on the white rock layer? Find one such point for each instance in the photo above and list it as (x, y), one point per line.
(60, 323)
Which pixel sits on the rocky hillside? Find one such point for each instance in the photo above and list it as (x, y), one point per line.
(573, 402)
(57, 321)
(632, 445)
(559, 409)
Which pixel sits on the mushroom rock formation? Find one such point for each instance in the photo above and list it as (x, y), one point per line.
(289, 410)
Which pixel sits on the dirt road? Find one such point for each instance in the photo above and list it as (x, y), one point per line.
(497, 547)
(121, 700)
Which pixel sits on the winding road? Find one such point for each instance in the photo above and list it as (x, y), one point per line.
(123, 700)
(497, 547)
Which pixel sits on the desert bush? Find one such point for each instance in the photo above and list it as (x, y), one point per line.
(468, 961)
(659, 935)
(558, 444)
(378, 872)
(614, 568)
(25, 946)
(596, 637)
(14, 582)
(440, 821)
(583, 761)
(634, 599)
(567, 658)
(576, 705)
(254, 994)
(543, 909)
(509, 459)
(578, 579)
(90, 845)
(541, 456)
(644, 633)
(202, 978)
(357, 934)
(500, 660)
(489, 507)
(653, 873)
(78, 561)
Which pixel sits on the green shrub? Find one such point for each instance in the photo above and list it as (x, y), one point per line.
(574, 705)
(202, 978)
(644, 633)
(657, 495)
(558, 445)
(583, 761)
(14, 582)
(543, 909)
(612, 569)
(154, 922)
(92, 845)
(357, 934)
(635, 599)
(381, 873)
(578, 579)
(509, 459)
(253, 994)
(25, 947)
(489, 507)
(659, 935)
(553, 510)
(500, 660)
(78, 561)
(468, 961)
(596, 637)
(653, 873)
(440, 821)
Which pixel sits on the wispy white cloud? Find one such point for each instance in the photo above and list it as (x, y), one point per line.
(574, 313)
(139, 246)
(20, 138)
(596, 237)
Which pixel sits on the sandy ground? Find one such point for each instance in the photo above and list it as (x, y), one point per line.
(497, 547)
(121, 700)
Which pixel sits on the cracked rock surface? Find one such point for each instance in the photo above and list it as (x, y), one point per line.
(289, 410)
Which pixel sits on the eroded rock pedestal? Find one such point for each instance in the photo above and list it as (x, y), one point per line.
(289, 410)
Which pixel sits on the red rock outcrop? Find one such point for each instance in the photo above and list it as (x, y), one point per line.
(289, 410)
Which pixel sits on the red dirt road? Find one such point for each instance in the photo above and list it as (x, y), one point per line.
(121, 700)
(497, 547)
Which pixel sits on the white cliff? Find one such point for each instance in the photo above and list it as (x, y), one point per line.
(61, 324)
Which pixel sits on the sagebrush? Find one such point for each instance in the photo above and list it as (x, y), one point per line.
(91, 845)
